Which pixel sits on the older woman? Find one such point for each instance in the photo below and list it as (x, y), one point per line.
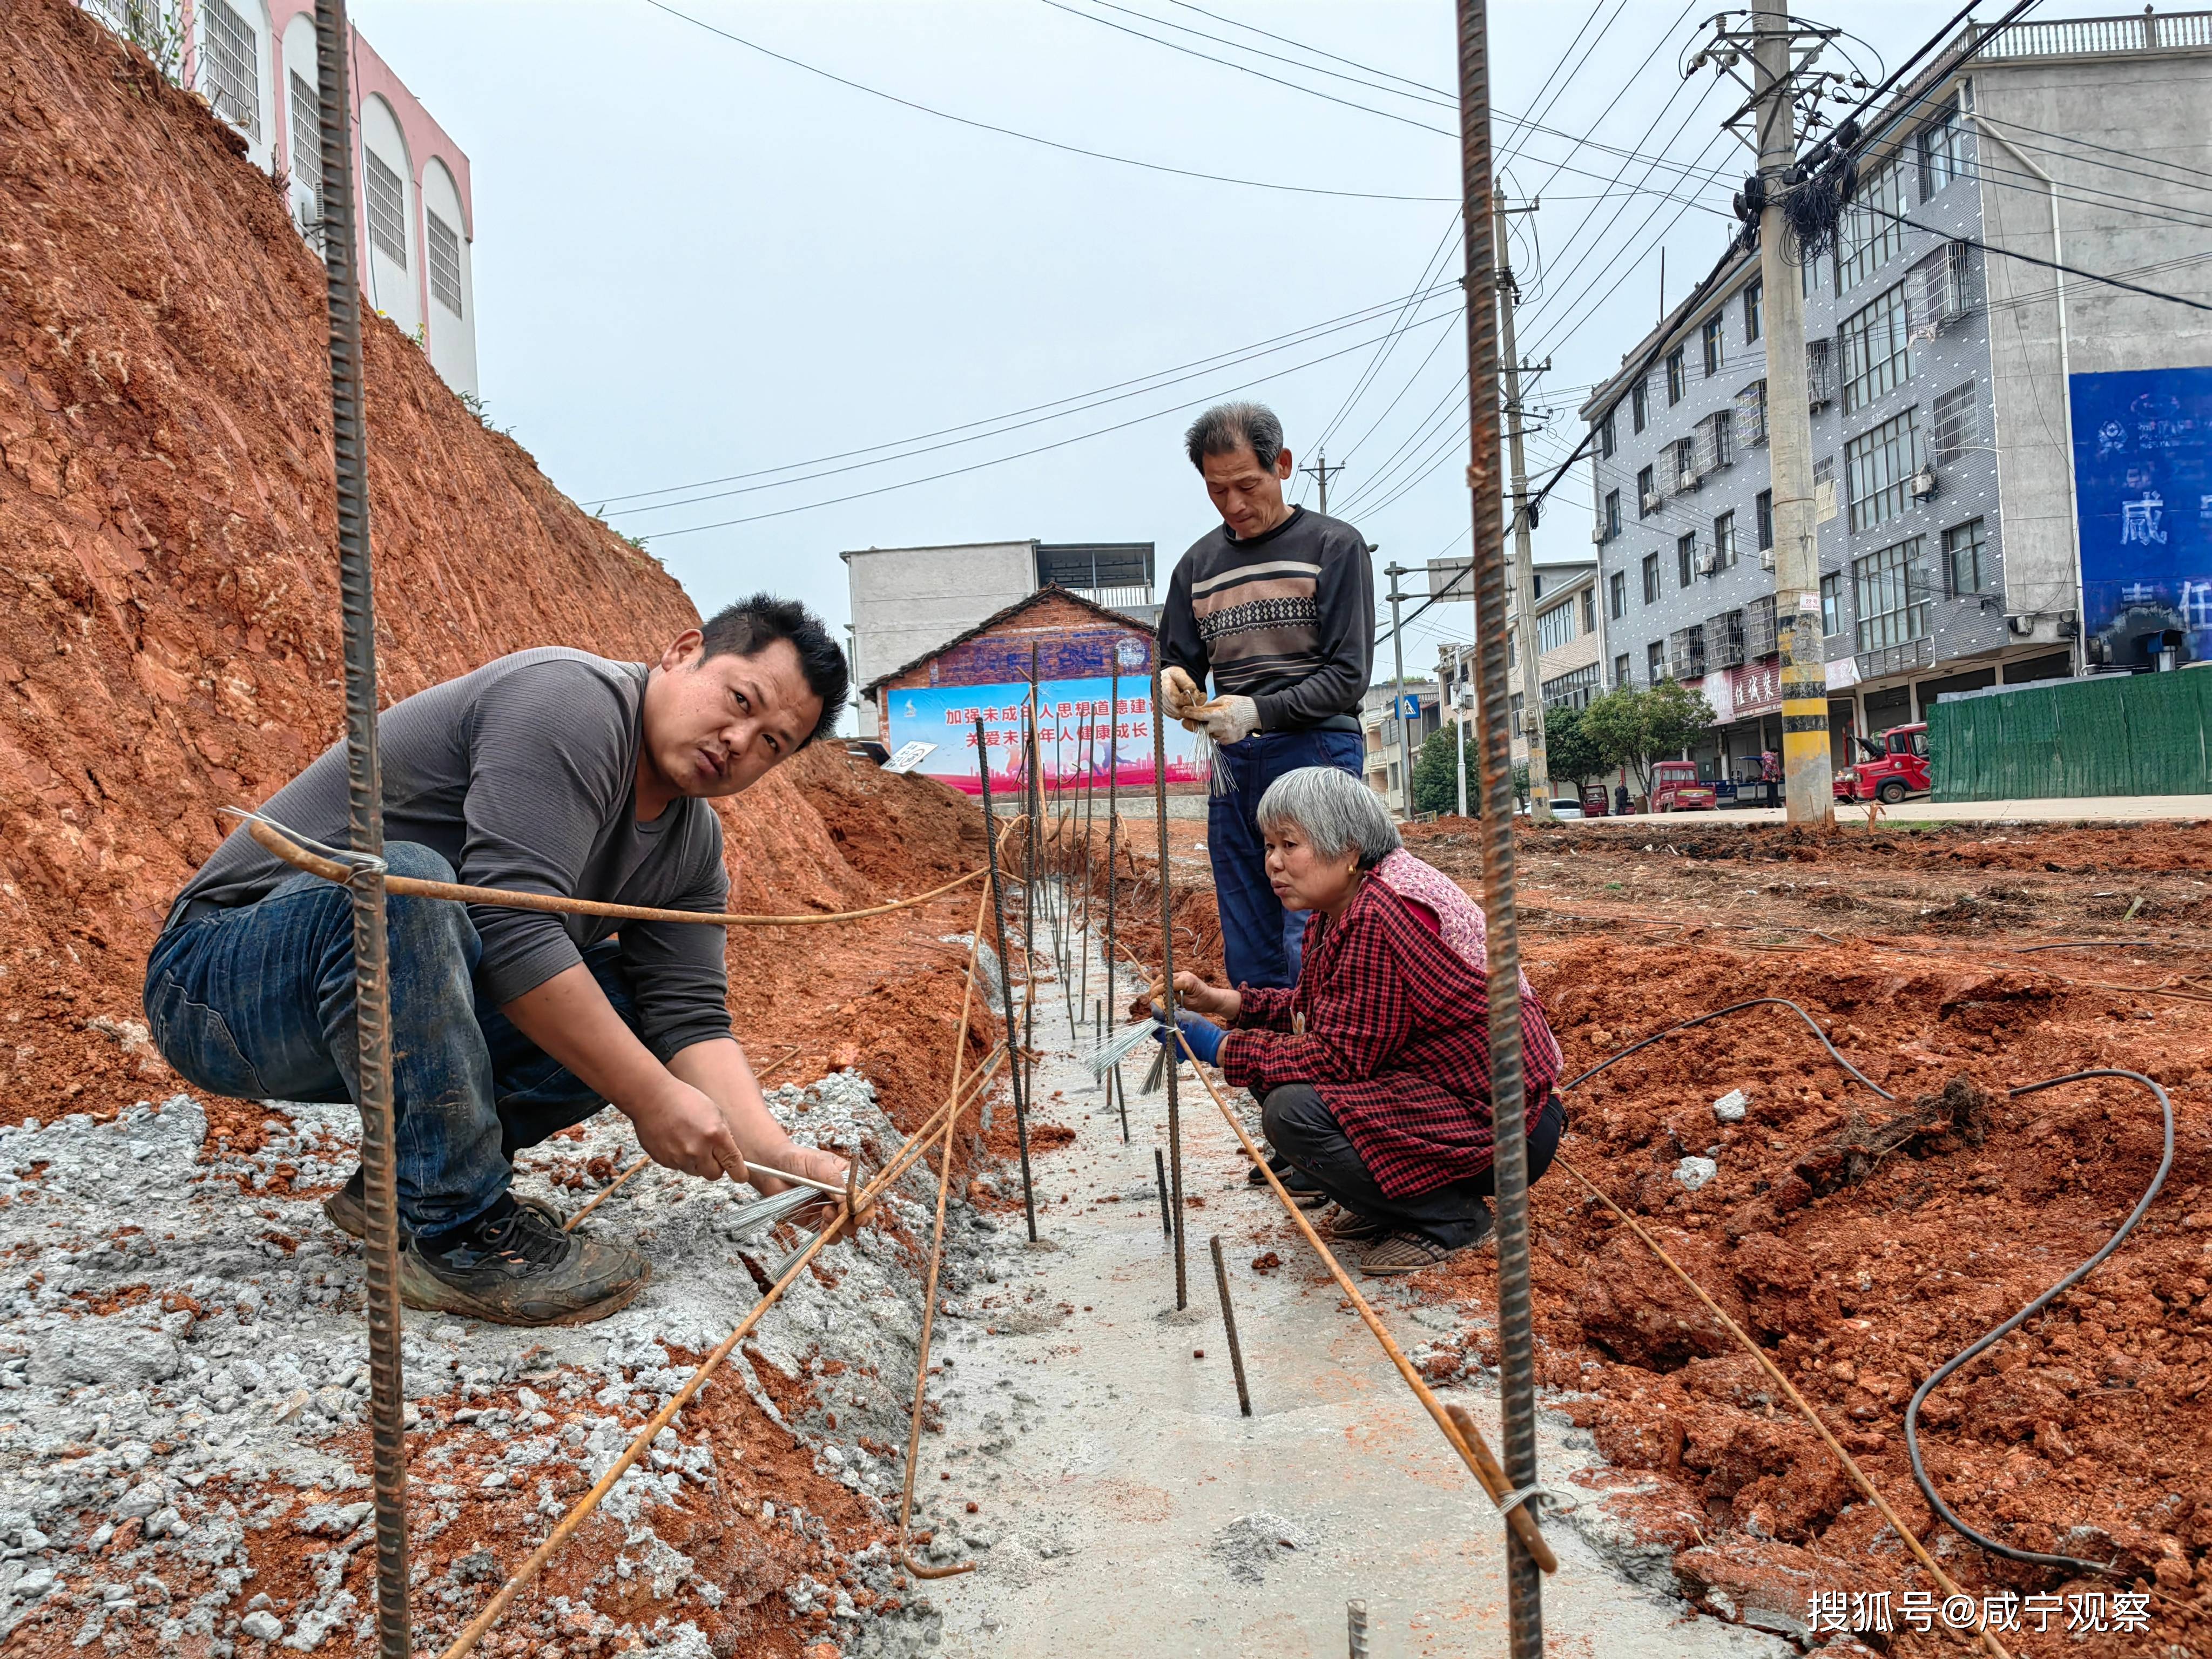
(1373, 1072)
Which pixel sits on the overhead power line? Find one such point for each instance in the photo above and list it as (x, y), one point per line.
(1035, 139)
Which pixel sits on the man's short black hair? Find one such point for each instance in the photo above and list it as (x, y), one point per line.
(751, 625)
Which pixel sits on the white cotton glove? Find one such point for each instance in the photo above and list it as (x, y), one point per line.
(1180, 695)
(1231, 720)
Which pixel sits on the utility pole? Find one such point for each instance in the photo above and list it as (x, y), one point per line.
(1805, 757)
(1459, 725)
(1320, 471)
(1524, 572)
(1393, 570)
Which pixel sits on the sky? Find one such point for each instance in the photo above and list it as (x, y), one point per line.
(752, 311)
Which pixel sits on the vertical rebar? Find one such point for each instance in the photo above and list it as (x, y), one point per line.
(387, 1401)
(1229, 1326)
(1005, 973)
(1167, 981)
(1089, 823)
(1355, 1626)
(1029, 900)
(1113, 870)
(1508, 1124)
(1160, 1177)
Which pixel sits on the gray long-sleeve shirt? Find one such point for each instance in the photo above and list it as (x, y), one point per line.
(524, 775)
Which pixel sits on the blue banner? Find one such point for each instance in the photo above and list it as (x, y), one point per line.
(1081, 729)
(2142, 474)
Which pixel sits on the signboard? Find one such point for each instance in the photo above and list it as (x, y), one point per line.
(1756, 688)
(909, 757)
(1081, 729)
(1409, 706)
(2142, 479)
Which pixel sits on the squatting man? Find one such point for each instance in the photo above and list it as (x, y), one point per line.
(551, 771)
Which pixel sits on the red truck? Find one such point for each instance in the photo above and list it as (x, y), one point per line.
(1894, 768)
(1676, 787)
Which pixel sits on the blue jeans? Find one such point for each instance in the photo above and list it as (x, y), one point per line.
(1260, 941)
(256, 1003)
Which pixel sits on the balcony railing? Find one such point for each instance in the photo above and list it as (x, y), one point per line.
(2099, 37)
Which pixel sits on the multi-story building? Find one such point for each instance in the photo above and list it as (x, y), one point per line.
(1394, 731)
(1954, 550)
(254, 62)
(908, 601)
(1569, 664)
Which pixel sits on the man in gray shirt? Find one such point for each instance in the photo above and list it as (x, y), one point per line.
(549, 771)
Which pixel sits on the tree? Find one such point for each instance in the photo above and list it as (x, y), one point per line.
(1634, 728)
(1569, 748)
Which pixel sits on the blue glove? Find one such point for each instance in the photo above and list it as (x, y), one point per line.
(1203, 1036)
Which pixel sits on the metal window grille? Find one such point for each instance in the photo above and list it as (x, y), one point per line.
(1650, 579)
(1716, 446)
(1711, 343)
(442, 245)
(1724, 641)
(1965, 559)
(1820, 373)
(1889, 591)
(1873, 229)
(233, 68)
(387, 208)
(1685, 463)
(1760, 636)
(139, 21)
(1686, 651)
(1655, 661)
(1750, 413)
(1877, 359)
(1879, 465)
(308, 144)
(1725, 541)
(1955, 422)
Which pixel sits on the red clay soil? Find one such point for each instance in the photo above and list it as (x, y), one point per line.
(1861, 1259)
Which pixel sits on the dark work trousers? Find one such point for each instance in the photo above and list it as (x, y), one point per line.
(1260, 941)
(1299, 1123)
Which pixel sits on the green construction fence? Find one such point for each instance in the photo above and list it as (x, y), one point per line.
(2118, 734)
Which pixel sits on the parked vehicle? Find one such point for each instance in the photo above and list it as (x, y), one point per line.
(1895, 767)
(1596, 803)
(1676, 787)
(1566, 807)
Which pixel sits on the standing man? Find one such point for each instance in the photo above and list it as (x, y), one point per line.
(1278, 605)
(551, 771)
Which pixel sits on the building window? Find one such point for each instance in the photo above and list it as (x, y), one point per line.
(1686, 558)
(1725, 541)
(1650, 579)
(1654, 662)
(306, 158)
(1942, 148)
(387, 208)
(1762, 510)
(1677, 376)
(1955, 422)
(1589, 611)
(1873, 228)
(1616, 595)
(1716, 443)
(1808, 277)
(1750, 412)
(1965, 561)
(1755, 310)
(1647, 497)
(1711, 341)
(1832, 603)
(1889, 596)
(233, 68)
(1685, 463)
(1573, 689)
(1876, 359)
(1555, 627)
(1604, 436)
(1612, 514)
(1879, 465)
(1620, 671)
(1938, 291)
(443, 245)
(1639, 405)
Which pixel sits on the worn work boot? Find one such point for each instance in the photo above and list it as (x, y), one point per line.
(347, 1209)
(519, 1269)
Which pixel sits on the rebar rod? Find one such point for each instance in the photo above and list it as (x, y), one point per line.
(1113, 870)
(1229, 1326)
(387, 1399)
(1160, 1186)
(1005, 974)
(1517, 1369)
(1089, 859)
(1027, 1062)
(1167, 981)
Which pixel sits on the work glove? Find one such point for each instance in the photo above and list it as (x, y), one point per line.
(1203, 1036)
(1181, 696)
(1231, 720)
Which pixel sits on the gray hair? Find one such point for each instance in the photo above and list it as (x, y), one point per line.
(1226, 428)
(1336, 811)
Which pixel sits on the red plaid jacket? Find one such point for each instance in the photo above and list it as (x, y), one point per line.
(1396, 1043)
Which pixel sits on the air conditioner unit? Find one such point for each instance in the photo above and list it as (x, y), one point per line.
(1766, 558)
(1651, 502)
(1923, 483)
(1707, 564)
(1597, 534)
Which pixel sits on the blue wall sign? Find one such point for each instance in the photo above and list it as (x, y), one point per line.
(2142, 474)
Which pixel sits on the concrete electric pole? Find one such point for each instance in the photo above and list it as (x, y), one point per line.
(1524, 571)
(1393, 570)
(1320, 471)
(1805, 755)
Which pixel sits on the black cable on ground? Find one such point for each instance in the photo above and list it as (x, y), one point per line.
(1834, 1053)
(2072, 1564)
